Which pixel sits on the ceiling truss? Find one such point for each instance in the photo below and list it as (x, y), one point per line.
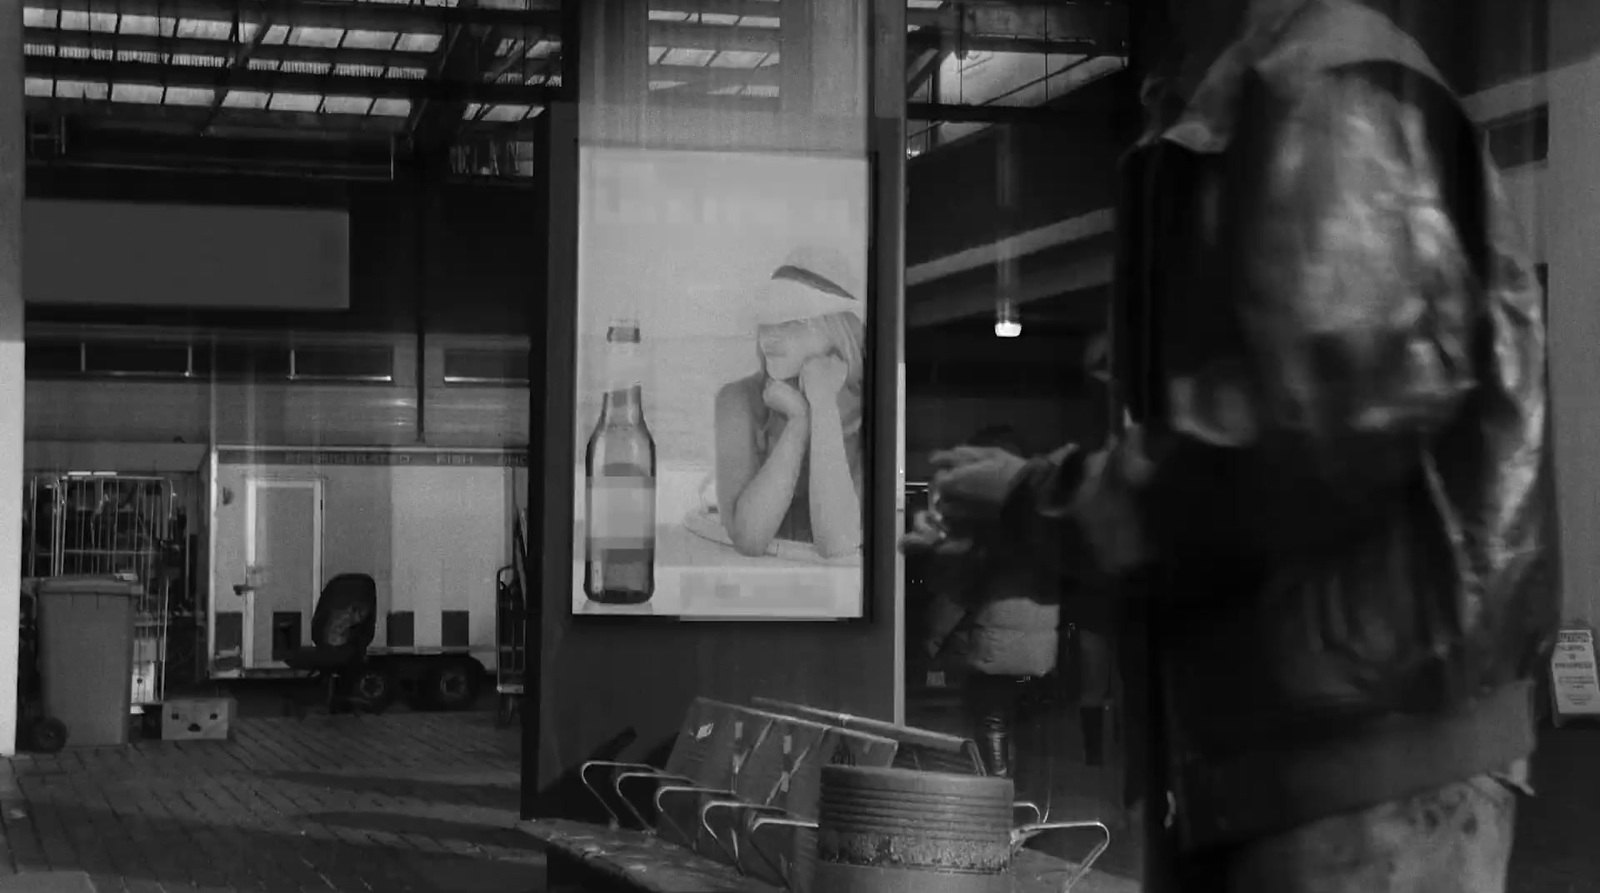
(426, 76)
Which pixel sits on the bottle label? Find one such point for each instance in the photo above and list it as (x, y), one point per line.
(622, 512)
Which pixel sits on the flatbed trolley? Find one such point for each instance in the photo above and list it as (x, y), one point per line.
(511, 645)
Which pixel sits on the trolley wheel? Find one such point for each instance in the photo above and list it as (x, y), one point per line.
(46, 734)
(450, 685)
(506, 710)
(374, 688)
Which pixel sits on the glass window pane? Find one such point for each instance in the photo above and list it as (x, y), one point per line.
(482, 365)
(358, 363)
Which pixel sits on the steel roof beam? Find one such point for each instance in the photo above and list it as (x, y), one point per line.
(220, 77)
(227, 50)
(462, 57)
(369, 16)
(180, 119)
(694, 36)
(698, 75)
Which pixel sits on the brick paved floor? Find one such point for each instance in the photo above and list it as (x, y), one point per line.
(402, 802)
(426, 803)
(1558, 831)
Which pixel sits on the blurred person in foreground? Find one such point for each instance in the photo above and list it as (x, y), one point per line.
(995, 613)
(1330, 500)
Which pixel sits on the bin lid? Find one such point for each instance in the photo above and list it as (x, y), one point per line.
(102, 584)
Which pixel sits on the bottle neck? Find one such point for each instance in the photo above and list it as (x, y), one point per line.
(624, 400)
(623, 405)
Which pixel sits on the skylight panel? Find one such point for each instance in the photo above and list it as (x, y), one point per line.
(347, 69)
(35, 17)
(80, 90)
(391, 108)
(370, 40)
(694, 58)
(246, 99)
(325, 38)
(204, 61)
(294, 102)
(276, 35)
(347, 105)
(506, 113)
(149, 26)
(141, 93)
(417, 43)
(738, 59)
(305, 66)
(38, 86)
(204, 29)
(190, 95)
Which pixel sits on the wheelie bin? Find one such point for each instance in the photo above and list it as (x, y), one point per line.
(86, 656)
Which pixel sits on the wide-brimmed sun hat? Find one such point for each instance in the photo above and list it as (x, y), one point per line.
(811, 282)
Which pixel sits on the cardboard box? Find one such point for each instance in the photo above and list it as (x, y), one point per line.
(196, 719)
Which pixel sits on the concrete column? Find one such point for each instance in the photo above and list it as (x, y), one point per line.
(12, 146)
(1572, 230)
(613, 70)
(839, 60)
(824, 58)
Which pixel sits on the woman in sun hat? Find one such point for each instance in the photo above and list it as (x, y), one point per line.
(788, 438)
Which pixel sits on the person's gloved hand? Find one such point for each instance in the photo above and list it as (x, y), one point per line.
(929, 534)
(972, 484)
(969, 488)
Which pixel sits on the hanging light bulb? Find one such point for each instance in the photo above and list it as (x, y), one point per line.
(1006, 322)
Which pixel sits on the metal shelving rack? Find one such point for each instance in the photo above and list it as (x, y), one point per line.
(110, 524)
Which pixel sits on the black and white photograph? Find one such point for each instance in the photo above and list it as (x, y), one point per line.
(722, 366)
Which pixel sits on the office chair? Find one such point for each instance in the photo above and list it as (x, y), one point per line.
(342, 628)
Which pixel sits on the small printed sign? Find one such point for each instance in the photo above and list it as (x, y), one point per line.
(1574, 683)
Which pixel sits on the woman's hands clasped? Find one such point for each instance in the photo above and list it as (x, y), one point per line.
(822, 378)
(785, 399)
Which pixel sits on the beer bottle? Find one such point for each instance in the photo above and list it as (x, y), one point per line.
(620, 470)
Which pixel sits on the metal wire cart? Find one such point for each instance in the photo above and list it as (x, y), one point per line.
(110, 524)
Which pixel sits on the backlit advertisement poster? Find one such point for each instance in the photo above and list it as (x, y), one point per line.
(721, 383)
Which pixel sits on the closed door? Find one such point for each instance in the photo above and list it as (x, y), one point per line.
(283, 568)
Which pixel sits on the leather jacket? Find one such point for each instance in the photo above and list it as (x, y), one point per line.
(1328, 331)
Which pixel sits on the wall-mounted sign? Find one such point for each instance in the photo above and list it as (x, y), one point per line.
(1574, 684)
(721, 384)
